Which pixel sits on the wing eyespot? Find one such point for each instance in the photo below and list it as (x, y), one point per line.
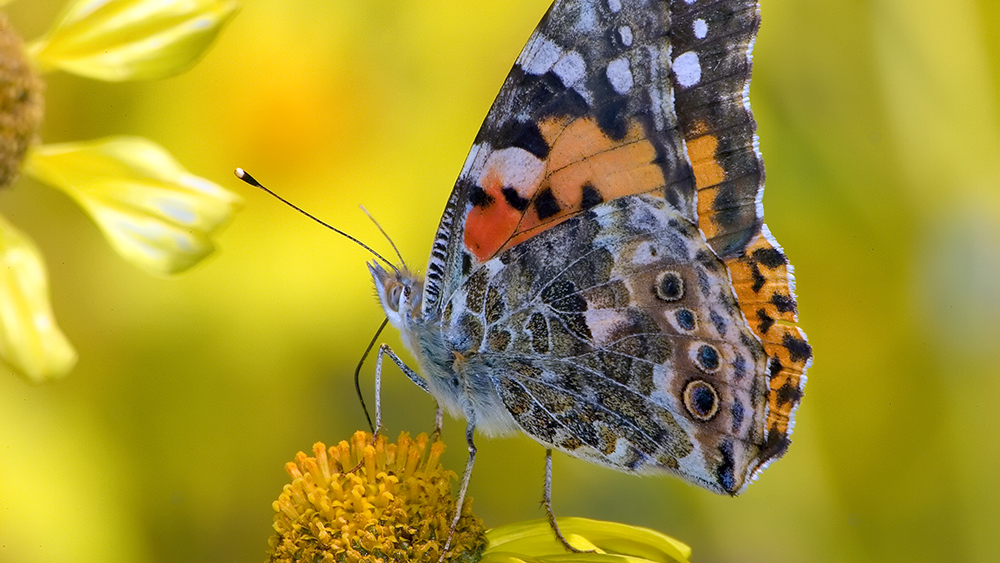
(701, 400)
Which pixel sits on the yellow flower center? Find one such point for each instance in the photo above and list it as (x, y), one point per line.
(21, 103)
(365, 502)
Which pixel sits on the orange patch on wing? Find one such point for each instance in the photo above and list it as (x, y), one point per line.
(755, 296)
(708, 174)
(580, 155)
(613, 168)
(707, 170)
(706, 210)
(488, 227)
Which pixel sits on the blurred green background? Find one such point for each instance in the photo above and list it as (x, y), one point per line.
(879, 126)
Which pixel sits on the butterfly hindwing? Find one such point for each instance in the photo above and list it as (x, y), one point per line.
(613, 338)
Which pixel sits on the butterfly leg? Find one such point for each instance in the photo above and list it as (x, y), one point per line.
(547, 501)
(438, 422)
(412, 376)
(469, 431)
(385, 350)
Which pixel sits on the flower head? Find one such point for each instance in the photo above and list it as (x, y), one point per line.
(21, 103)
(372, 502)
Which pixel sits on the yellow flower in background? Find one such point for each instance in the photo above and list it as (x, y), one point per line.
(131, 39)
(152, 211)
(384, 502)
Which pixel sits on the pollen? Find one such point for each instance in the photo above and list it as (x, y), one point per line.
(21, 103)
(365, 501)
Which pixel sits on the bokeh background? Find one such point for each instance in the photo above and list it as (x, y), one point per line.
(879, 126)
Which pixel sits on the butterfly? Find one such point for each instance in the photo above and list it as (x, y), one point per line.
(602, 279)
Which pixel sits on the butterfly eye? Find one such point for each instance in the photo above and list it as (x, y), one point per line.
(395, 296)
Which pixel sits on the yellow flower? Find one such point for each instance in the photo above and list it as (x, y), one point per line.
(131, 39)
(152, 211)
(379, 503)
(599, 542)
(368, 502)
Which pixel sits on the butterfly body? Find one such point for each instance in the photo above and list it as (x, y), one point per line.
(601, 278)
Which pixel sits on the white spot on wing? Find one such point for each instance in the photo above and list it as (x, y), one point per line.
(515, 168)
(700, 28)
(587, 21)
(625, 32)
(494, 267)
(656, 99)
(620, 75)
(687, 69)
(571, 69)
(604, 324)
(614, 6)
(539, 55)
(645, 253)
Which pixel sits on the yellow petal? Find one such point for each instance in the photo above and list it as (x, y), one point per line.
(610, 542)
(131, 39)
(30, 341)
(153, 212)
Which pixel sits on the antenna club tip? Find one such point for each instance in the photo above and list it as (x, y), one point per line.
(246, 177)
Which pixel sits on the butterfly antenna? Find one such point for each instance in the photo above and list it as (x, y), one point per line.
(246, 177)
(386, 235)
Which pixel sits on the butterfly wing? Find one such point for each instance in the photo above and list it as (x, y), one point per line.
(614, 337)
(610, 101)
(610, 98)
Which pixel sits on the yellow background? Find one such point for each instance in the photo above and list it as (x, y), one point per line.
(879, 127)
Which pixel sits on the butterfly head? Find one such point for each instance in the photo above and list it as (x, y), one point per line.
(400, 293)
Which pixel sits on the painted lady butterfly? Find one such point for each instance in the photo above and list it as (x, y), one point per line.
(602, 279)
